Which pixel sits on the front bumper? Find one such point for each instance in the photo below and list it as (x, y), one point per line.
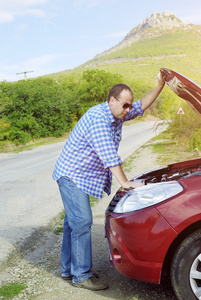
(138, 243)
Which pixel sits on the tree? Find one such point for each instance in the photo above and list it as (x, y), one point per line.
(94, 88)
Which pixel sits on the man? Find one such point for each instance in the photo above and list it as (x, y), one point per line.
(85, 167)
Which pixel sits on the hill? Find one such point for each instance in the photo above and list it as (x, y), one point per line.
(150, 27)
(161, 40)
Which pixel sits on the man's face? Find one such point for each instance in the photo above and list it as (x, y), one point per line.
(120, 106)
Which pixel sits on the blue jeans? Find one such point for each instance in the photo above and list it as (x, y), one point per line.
(76, 252)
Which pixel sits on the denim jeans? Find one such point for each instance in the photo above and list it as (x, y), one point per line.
(76, 251)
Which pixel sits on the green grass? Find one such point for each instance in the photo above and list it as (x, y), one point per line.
(92, 200)
(8, 146)
(127, 165)
(171, 150)
(11, 290)
(163, 146)
(162, 136)
(5, 146)
(175, 44)
(58, 230)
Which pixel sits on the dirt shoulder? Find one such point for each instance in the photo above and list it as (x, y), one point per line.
(37, 265)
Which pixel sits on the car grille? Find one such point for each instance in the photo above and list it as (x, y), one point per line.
(114, 202)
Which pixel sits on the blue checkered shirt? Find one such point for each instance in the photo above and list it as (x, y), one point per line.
(92, 148)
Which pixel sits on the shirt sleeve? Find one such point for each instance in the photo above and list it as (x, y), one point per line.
(135, 111)
(101, 139)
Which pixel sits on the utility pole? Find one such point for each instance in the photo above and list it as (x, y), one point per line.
(25, 74)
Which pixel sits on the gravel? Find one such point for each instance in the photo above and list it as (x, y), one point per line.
(37, 263)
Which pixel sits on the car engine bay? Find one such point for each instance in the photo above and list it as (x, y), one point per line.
(171, 172)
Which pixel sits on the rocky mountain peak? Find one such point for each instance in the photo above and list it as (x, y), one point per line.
(166, 19)
(152, 26)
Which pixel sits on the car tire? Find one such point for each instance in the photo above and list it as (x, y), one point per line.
(186, 268)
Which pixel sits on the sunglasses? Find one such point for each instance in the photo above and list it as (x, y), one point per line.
(124, 104)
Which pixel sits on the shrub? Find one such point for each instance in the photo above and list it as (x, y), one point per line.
(4, 133)
(195, 142)
(19, 137)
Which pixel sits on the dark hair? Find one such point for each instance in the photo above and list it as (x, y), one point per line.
(117, 89)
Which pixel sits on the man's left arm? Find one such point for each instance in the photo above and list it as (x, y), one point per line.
(151, 96)
(122, 179)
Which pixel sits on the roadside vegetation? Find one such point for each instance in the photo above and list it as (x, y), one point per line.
(43, 107)
(46, 109)
(11, 290)
(172, 150)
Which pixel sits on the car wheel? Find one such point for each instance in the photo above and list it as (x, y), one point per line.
(186, 268)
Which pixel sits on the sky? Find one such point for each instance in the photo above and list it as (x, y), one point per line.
(42, 37)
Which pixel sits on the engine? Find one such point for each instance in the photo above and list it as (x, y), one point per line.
(169, 173)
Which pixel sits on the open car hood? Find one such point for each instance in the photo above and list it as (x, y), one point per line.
(184, 88)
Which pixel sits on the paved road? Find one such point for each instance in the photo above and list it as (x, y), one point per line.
(29, 198)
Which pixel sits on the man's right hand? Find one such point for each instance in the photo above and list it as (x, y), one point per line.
(131, 184)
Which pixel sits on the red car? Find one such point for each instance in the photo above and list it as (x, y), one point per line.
(155, 230)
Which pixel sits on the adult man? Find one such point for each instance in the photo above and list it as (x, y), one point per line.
(85, 167)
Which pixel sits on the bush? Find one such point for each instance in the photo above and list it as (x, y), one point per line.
(4, 130)
(19, 137)
(195, 142)
(184, 128)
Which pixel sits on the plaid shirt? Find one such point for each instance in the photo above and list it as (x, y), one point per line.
(92, 148)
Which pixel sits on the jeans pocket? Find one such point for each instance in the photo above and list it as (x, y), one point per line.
(62, 180)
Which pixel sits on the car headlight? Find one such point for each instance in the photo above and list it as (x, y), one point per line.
(147, 195)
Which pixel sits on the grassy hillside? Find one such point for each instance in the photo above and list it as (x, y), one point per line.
(179, 50)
